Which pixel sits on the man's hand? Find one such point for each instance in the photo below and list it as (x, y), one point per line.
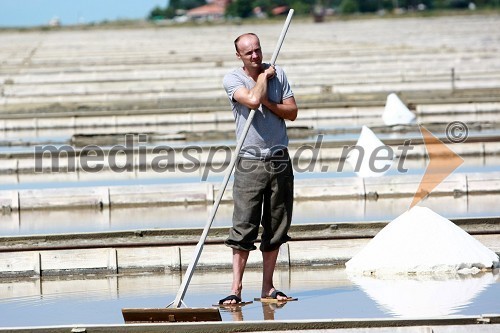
(270, 72)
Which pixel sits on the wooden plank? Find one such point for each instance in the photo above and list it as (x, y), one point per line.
(149, 258)
(324, 252)
(158, 194)
(141, 315)
(64, 197)
(9, 202)
(78, 260)
(217, 255)
(220, 256)
(351, 187)
(19, 264)
(481, 183)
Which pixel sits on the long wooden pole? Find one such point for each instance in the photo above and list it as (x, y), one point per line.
(199, 247)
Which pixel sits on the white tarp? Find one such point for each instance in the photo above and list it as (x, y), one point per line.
(421, 241)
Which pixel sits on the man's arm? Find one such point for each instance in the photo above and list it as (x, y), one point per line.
(287, 110)
(252, 98)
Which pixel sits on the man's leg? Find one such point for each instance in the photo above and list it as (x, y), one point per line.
(240, 258)
(269, 263)
(249, 179)
(277, 218)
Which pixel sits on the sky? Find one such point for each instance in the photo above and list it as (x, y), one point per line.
(28, 13)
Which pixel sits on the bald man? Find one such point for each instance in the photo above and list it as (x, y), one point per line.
(263, 178)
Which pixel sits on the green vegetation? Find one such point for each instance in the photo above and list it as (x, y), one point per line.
(245, 8)
(174, 8)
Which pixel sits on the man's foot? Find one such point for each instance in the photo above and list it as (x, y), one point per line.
(232, 302)
(276, 296)
(229, 300)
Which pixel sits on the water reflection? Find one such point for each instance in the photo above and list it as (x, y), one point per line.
(31, 222)
(323, 293)
(425, 295)
(236, 313)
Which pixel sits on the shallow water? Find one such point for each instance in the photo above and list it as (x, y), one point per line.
(31, 222)
(215, 174)
(323, 292)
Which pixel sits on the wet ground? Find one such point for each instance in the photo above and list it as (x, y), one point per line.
(323, 293)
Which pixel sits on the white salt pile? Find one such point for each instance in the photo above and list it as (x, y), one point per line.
(373, 149)
(396, 113)
(421, 241)
(424, 295)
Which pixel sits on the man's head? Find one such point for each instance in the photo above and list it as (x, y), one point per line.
(248, 50)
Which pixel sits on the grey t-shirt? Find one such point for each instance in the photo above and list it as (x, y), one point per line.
(267, 134)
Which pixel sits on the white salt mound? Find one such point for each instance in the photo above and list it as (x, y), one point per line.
(369, 142)
(396, 113)
(421, 241)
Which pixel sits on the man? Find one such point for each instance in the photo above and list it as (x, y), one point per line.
(263, 178)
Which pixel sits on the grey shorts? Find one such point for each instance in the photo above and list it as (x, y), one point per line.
(263, 195)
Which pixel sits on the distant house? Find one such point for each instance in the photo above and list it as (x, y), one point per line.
(281, 10)
(213, 10)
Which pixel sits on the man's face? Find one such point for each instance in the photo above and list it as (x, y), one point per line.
(249, 51)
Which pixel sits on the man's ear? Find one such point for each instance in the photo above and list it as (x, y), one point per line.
(238, 55)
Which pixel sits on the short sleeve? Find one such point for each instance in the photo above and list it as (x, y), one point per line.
(232, 83)
(287, 90)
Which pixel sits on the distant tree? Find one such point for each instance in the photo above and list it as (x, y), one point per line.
(239, 8)
(459, 3)
(243, 8)
(156, 13)
(303, 7)
(190, 4)
(367, 6)
(174, 5)
(349, 7)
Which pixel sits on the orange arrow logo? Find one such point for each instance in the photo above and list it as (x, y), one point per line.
(442, 162)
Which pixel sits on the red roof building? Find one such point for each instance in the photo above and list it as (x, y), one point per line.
(213, 10)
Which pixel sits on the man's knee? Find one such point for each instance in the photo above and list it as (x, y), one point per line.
(272, 245)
